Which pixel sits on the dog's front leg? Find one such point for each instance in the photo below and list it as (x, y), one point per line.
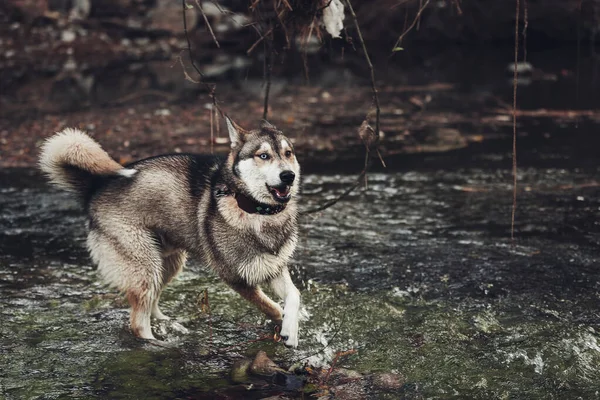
(284, 288)
(257, 297)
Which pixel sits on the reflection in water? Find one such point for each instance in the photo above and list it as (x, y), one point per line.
(417, 273)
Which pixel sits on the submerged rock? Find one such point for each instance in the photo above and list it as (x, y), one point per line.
(388, 381)
(239, 371)
(264, 366)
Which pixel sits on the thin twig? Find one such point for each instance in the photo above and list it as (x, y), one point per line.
(368, 60)
(268, 70)
(208, 24)
(363, 173)
(514, 149)
(458, 9)
(282, 24)
(229, 14)
(189, 46)
(211, 88)
(305, 54)
(324, 7)
(338, 355)
(417, 19)
(260, 39)
(287, 4)
(184, 69)
(332, 202)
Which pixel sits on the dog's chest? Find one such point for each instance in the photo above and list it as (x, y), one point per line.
(263, 267)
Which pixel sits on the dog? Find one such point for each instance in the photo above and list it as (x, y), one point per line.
(237, 214)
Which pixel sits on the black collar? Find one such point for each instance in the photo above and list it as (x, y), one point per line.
(248, 204)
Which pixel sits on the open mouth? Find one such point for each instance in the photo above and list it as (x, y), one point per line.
(280, 193)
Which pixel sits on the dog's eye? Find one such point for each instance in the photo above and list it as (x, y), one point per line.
(288, 153)
(264, 156)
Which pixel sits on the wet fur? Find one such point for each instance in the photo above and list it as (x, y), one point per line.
(146, 218)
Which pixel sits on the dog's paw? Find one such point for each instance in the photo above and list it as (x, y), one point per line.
(289, 330)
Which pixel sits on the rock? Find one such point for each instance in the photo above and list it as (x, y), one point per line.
(346, 373)
(263, 365)
(388, 381)
(239, 371)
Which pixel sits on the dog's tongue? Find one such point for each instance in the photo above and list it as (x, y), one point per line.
(282, 193)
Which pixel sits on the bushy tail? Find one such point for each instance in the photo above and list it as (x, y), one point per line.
(72, 160)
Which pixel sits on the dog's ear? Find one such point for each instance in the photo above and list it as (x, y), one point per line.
(236, 132)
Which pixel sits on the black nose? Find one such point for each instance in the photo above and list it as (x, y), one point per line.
(287, 177)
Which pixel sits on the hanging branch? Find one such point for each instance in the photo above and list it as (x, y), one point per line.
(211, 88)
(207, 24)
(268, 71)
(260, 39)
(346, 192)
(370, 144)
(514, 148)
(415, 21)
(368, 60)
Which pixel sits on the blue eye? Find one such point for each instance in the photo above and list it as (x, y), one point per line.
(264, 156)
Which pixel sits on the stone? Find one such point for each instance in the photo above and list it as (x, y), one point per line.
(263, 365)
(239, 370)
(388, 381)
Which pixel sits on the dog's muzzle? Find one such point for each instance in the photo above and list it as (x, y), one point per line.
(281, 193)
(287, 177)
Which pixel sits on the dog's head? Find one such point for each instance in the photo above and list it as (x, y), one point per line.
(264, 163)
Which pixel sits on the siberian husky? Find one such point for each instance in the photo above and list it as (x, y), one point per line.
(236, 214)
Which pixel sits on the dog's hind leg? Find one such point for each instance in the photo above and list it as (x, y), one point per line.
(284, 288)
(257, 297)
(133, 264)
(172, 264)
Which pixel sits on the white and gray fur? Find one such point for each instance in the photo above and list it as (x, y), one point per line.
(145, 218)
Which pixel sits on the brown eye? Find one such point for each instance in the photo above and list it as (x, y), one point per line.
(288, 153)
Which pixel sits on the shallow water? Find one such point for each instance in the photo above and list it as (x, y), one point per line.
(417, 273)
